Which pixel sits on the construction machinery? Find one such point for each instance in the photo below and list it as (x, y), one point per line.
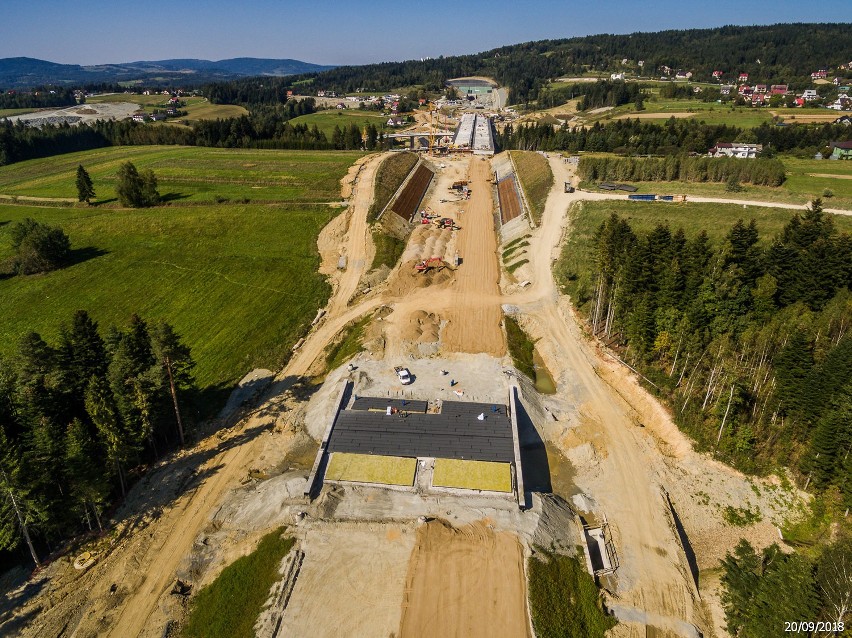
(446, 222)
(433, 263)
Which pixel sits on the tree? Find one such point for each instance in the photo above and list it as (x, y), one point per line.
(38, 247)
(85, 190)
(17, 510)
(85, 477)
(134, 189)
(176, 362)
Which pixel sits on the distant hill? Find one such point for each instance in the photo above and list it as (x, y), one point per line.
(779, 53)
(21, 73)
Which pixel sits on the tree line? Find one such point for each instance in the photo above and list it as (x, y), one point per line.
(77, 416)
(750, 344)
(264, 127)
(41, 97)
(671, 137)
(764, 172)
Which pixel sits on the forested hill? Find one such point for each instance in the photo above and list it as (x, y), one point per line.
(17, 73)
(781, 53)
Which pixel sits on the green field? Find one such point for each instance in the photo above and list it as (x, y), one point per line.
(366, 468)
(805, 181)
(716, 219)
(189, 174)
(325, 121)
(473, 475)
(238, 281)
(709, 112)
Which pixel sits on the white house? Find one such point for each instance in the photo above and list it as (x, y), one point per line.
(735, 149)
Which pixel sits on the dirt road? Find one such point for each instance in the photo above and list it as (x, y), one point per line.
(465, 583)
(474, 322)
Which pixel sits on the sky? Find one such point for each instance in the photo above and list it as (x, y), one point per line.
(352, 32)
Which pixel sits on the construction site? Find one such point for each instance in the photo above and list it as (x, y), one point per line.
(420, 477)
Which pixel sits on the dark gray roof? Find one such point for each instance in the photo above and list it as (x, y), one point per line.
(454, 433)
(379, 403)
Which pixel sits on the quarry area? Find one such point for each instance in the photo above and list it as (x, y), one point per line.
(416, 506)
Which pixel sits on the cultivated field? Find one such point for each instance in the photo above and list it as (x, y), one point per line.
(239, 282)
(325, 121)
(189, 174)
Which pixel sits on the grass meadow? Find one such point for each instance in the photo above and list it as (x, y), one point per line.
(326, 120)
(189, 174)
(238, 281)
(576, 262)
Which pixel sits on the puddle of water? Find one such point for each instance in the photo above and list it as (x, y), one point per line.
(544, 382)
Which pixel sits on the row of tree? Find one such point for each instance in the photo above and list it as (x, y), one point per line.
(264, 127)
(39, 98)
(750, 343)
(76, 416)
(671, 137)
(764, 172)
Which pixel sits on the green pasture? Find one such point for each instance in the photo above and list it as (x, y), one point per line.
(325, 121)
(575, 264)
(239, 283)
(189, 174)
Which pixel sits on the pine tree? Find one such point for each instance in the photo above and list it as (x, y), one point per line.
(86, 478)
(85, 190)
(176, 361)
(740, 580)
(18, 511)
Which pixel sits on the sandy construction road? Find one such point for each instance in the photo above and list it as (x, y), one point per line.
(465, 583)
(474, 321)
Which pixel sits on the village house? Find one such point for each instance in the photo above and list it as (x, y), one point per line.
(760, 88)
(735, 149)
(726, 89)
(819, 75)
(778, 89)
(842, 103)
(717, 74)
(809, 95)
(743, 77)
(841, 150)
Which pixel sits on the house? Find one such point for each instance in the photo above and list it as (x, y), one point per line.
(842, 103)
(289, 94)
(340, 105)
(641, 63)
(760, 88)
(841, 150)
(665, 69)
(758, 99)
(844, 119)
(819, 75)
(717, 74)
(616, 76)
(320, 93)
(743, 77)
(681, 75)
(809, 95)
(138, 117)
(158, 117)
(735, 149)
(746, 91)
(394, 121)
(799, 101)
(778, 89)
(726, 89)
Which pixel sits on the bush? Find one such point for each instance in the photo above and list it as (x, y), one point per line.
(828, 193)
(39, 247)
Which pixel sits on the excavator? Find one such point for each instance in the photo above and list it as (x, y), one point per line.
(426, 265)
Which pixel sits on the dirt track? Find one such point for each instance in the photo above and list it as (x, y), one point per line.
(465, 583)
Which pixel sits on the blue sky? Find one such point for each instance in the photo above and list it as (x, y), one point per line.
(328, 32)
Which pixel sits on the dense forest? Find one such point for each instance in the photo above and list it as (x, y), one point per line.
(77, 416)
(770, 593)
(750, 343)
(781, 53)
